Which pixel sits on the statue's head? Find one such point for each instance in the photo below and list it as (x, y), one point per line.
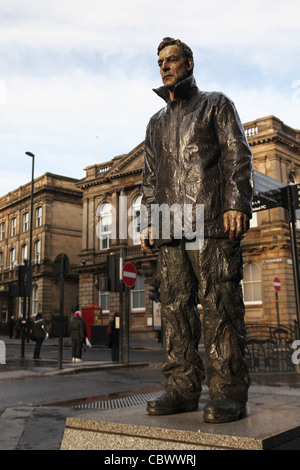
(185, 50)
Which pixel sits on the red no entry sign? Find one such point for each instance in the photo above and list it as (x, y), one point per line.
(276, 284)
(129, 274)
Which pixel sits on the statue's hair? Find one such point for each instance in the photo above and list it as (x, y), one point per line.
(185, 49)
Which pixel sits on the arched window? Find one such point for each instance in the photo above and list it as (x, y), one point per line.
(138, 294)
(105, 225)
(252, 283)
(136, 220)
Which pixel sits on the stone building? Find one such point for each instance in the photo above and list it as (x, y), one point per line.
(267, 247)
(57, 228)
(111, 200)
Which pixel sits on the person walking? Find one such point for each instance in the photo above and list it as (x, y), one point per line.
(39, 333)
(77, 337)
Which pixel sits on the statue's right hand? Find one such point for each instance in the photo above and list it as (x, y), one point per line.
(147, 240)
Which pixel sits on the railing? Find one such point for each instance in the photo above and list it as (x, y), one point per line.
(250, 131)
(269, 348)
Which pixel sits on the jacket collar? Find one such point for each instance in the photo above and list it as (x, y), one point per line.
(182, 90)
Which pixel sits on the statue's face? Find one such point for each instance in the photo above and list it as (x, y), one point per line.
(173, 66)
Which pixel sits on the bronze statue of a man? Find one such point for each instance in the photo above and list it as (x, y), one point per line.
(196, 153)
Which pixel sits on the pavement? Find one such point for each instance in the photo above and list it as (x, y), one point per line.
(17, 367)
(42, 427)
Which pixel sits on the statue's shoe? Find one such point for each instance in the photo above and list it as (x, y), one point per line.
(223, 410)
(170, 403)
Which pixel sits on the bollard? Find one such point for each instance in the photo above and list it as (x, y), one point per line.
(2, 353)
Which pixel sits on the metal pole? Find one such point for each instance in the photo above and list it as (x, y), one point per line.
(62, 286)
(127, 326)
(31, 224)
(24, 325)
(277, 308)
(295, 256)
(121, 262)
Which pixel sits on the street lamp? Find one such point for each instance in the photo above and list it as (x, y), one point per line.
(31, 225)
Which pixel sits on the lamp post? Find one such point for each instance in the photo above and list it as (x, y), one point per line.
(31, 226)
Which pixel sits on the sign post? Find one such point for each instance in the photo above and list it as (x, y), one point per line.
(277, 286)
(61, 269)
(129, 276)
(270, 193)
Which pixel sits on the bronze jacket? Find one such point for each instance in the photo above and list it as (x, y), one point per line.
(196, 152)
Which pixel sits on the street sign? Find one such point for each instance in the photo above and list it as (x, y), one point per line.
(129, 274)
(263, 183)
(296, 195)
(277, 284)
(61, 265)
(268, 192)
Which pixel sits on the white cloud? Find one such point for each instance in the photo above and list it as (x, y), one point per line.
(72, 70)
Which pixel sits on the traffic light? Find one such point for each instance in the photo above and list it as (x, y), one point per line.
(155, 292)
(25, 280)
(102, 283)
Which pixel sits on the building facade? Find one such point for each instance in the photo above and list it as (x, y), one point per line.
(267, 245)
(111, 209)
(57, 228)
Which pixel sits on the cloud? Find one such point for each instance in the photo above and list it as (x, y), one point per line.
(74, 70)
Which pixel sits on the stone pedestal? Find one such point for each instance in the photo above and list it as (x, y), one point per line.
(273, 422)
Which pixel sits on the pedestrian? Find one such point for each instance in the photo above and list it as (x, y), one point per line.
(84, 343)
(19, 326)
(11, 327)
(113, 337)
(197, 156)
(77, 337)
(39, 334)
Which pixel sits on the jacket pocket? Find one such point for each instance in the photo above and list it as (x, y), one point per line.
(208, 194)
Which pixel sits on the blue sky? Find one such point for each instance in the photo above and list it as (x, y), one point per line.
(76, 76)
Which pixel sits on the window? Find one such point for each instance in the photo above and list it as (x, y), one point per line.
(25, 222)
(13, 230)
(253, 221)
(136, 220)
(24, 253)
(1, 261)
(105, 225)
(2, 231)
(37, 252)
(35, 300)
(38, 217)
(104, 300)
(138, 294)
(252, 283)
(12, 258)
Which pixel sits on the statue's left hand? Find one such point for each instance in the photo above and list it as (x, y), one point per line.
(236, 223)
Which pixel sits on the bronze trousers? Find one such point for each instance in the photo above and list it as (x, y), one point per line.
(210, 276)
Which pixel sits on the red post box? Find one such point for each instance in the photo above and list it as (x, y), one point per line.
(92, 315)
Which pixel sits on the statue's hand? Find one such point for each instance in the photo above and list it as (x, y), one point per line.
(236, 223)
(147, 240)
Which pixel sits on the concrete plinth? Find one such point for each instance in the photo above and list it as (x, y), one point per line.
(273, 422)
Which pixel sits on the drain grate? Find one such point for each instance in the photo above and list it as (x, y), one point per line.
(118, 402)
